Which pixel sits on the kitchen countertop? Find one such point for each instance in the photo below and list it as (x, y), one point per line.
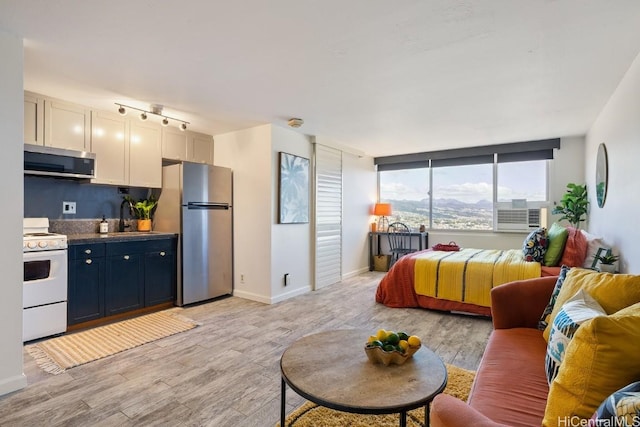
(75, 239)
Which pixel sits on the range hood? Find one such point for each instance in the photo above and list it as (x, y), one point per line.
(57, 162)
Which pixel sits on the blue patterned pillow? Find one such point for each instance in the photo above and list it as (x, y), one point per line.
(543, 322)
(622, 408)
(577, 310)
(535, 245)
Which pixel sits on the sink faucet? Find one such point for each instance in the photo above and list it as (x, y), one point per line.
(121, 225)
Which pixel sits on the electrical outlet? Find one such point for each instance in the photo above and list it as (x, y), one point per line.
(242, 278)
(68, 207)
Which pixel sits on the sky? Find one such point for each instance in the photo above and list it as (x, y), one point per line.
(470, 184)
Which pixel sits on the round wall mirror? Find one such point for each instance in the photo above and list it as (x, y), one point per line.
(601, 175)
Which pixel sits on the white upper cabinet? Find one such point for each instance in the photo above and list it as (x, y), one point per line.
(145, 154)
(186, 146)
(110, 143)
(33, 119)
(174, 143)
(66, 125)
(200, 148)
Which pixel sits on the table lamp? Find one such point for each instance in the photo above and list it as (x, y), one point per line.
(383, 210)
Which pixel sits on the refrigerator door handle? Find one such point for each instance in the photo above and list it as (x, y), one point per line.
(207, 205)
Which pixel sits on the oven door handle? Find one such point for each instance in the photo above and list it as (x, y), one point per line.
(43, 255)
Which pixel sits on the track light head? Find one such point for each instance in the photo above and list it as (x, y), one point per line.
(183, 126)
(122, 111)
(143, 116)
(165, 121)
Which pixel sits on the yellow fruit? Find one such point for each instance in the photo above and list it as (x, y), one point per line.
(403, 344)
(382, 334)
(414, 341)
(371, 339)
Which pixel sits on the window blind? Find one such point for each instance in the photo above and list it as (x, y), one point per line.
(510, 152)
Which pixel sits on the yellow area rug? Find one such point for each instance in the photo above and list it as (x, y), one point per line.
(311, 415)
(58, 354)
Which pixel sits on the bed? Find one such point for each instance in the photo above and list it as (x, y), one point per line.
(455, 281)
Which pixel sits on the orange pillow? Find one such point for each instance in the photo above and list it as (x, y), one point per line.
(575, 250)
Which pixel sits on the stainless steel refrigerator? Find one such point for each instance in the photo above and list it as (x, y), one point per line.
(196, 202)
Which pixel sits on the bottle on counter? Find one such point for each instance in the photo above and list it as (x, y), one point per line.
(104, 226)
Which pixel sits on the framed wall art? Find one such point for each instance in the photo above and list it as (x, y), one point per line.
(293, 189)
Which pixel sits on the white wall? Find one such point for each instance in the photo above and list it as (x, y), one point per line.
(11, 129)
(291, 244)
(359, 183)
(248, 153)
(618, 127)
(567, 166)
(263, 249)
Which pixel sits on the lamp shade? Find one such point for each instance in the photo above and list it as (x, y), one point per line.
(382, 209)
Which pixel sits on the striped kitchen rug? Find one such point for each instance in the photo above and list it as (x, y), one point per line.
(55, 355)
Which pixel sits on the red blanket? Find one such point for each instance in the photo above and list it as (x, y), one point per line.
(396, 289)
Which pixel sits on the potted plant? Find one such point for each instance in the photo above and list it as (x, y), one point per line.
(142, 210)
(573, 205)
(607, 262)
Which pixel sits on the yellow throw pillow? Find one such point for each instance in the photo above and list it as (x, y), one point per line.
(601, 358)
(612, 291)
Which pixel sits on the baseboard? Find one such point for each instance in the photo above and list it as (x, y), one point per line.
(355, 273)
(251, 296)
(12, 384)
(291, 294)
(270, 300)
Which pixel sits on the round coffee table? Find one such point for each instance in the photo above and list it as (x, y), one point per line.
(332, 370)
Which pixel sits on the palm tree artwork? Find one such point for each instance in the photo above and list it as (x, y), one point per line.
(294, 189)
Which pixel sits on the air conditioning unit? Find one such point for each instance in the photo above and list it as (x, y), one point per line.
(517, 219)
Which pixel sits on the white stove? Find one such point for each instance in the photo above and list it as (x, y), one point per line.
(37, 236)
(44, 298)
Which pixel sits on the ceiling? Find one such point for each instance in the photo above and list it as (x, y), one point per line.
(377, 76)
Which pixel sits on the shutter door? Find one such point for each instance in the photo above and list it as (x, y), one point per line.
(328, 230)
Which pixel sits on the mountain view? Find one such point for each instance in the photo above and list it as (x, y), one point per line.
(447, 214)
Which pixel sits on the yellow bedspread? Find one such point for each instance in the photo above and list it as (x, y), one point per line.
(469, 274)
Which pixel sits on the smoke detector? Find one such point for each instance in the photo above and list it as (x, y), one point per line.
(295, 123)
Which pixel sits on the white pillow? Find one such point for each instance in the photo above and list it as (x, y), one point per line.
(593, 244)
(577, 310)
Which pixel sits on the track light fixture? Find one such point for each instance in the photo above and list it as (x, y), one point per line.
(156, 110)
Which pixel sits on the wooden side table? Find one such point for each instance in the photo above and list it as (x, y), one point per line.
(332, 370)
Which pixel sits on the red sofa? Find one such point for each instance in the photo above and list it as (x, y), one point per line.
(510, 387)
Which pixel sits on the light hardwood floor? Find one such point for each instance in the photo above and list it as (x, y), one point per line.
(226, 371)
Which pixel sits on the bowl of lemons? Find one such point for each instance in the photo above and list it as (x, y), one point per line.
(389, 347)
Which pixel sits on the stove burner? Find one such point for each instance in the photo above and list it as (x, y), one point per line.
(39, 234)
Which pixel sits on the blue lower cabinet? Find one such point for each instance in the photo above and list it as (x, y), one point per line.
(125, 278)
(106, 279)
(160, 274)
(86, 283)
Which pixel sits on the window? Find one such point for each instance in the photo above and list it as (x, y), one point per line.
(462, 195)
(522, 180)
(408, 192)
